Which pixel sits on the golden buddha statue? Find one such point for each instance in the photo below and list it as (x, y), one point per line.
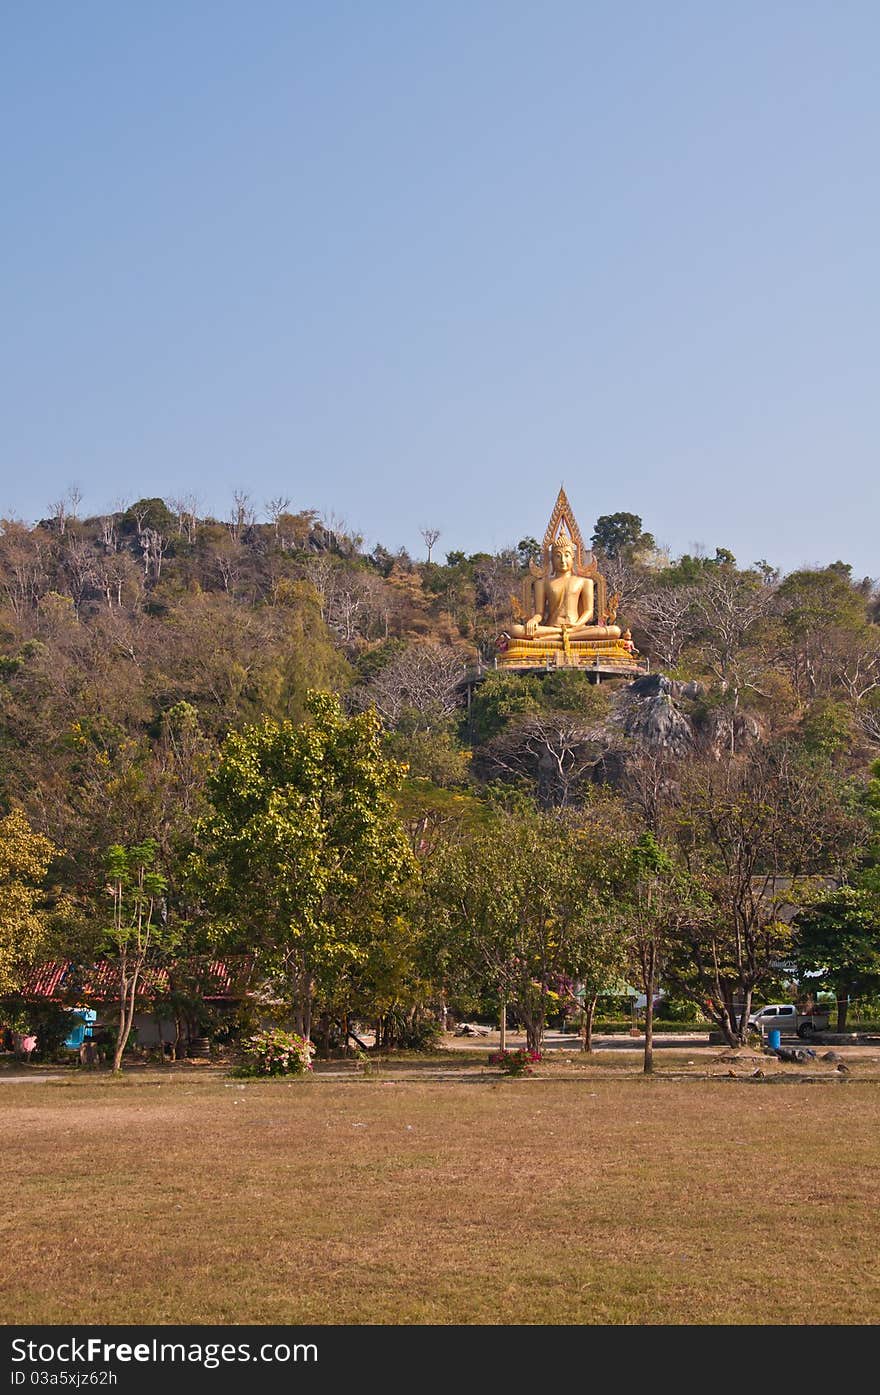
(564, 601)
(565, 616)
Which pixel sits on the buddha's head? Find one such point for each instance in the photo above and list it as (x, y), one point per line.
(562, 553)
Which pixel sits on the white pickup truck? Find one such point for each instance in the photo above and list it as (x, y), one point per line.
(785, 1018)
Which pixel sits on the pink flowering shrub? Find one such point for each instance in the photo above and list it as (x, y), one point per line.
(274, 1052)
(518, 1062)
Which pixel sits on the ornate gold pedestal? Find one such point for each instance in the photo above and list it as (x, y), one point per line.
(600, 654)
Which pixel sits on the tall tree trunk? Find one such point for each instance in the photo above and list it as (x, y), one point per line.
(842, 1009)
(307, 1012)
(121, 1039)
(726, 1019)
(502, 1024)
(122, 1034)
(589, 1018)
(742, 1027)
(534, 1031)
(649, 1013)
(126, 1019)
(302, 985)
(307, 985)
(728, 1029)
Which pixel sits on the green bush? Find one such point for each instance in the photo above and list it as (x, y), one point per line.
(422, 1035)
(678, 1010)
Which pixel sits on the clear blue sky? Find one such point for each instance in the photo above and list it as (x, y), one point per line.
(418, 263)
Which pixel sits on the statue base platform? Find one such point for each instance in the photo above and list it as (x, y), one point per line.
(599, 656)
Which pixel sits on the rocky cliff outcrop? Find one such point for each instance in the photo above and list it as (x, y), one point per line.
(649, 712)
(663, 715)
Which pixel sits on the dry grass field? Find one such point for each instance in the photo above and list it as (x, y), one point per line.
(584, 1196)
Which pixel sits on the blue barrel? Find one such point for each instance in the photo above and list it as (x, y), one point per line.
(774, 1039)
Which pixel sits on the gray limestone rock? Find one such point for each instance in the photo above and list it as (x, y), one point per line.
(658, 723)
(721, 732)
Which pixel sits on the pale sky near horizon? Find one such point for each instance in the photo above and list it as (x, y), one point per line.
(418, 263)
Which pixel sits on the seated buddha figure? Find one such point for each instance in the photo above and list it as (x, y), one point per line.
(564, 603)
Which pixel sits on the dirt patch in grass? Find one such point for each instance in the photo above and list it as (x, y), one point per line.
(601, 1198)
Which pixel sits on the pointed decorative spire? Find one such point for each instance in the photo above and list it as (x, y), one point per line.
(562, 517)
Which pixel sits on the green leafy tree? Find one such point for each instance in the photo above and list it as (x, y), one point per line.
(528, 550)
(596, 954)
(498, 698)
(303, 851)
(139, 931)
(621, 535)
(837, 943)
(755, 835)
(826, 640)
(148, 513)
(655, 897)
(510, 906)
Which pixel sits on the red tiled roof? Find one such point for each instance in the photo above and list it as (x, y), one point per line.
(214, 979)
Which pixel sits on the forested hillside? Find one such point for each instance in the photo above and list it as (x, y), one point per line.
(132, 643)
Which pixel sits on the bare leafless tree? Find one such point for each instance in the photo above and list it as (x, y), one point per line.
(381, 605)
(59, 512)
(349, 602)
(559, 751)
(497, 579)
(140, 512)
(241, 516)
(23, 575)
(276, 508)
(625, 580)
(227, 564)
(153, 546)
(670, 618)
(79, 568)
(650, 786)
(868, 718)
(855, 661)
(732, 605)
(423, 683)
(430, 536)
(115, 574)
(323, 575)
(336, 536)
(186, 507)
(109, 535)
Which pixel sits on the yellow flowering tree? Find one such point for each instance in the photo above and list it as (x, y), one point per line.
(24, 862)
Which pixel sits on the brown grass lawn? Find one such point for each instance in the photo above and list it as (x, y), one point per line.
(588, 1196)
